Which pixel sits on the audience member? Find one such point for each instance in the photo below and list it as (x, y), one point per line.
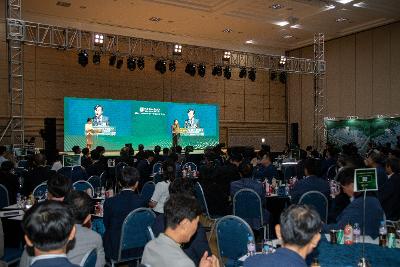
(118, 207)
(141, 153)
(145, 167)
(97, 167)
(157, 156)
(341, 199)
(247, 181)
(58, 186)
(311, 182)
(40, 173)
(329, 160)
(165, 153)
(389, 195)
(125, 157)
(86, 161)
(375, 160)
(9, 180)
(3, 150)
(49, 231)
(353, 213)
(265, 168)
(76, 150)
(299, 230)
(182, 216)
(161, 193)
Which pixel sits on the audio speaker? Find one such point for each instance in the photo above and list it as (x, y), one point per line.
(294, 133)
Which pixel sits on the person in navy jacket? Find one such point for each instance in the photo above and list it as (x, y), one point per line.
(49, 229)
(390, 193)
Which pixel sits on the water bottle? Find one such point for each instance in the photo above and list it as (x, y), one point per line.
(251, 246)
(382, 234)
(357, 233)
(265, 247)
(19, 199)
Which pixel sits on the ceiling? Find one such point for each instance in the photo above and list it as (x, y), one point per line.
(202, 22)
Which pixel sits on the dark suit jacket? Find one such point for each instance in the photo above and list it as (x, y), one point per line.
(86, 161)
(382, 178)
(353, 213)
(194, 124)
(54, 262)
(97, 168)
(10, 181)
(115, 211)
(99, 122)
(35, 177)
(389, 197)
(145, 170)
(261, 172)
(310, 183)
(248, 183)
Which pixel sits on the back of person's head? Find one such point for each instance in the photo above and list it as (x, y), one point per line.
(169, 170)
(39, 159)
(124, 152)
(140, 147)
(94, 154)
(129, 177)
(48, 225)
(3, 149)
(346, 176)
(157, 149)
(375, 156)
(148, 154)
(7, 166)
(85, 151)
(393, 164)
(165, 150)
(236, 157)
(313, 166)
(178, 149)
(179, 207)
(58, 185)
(246, 170)
(182, 186)
(76, 149)
(299, 224)
(100, 149)
(80, 204)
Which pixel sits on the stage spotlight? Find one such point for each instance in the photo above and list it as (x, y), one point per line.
(131, 63)
(227, 72)
(227, 56)
(282, 77)
(112, 60)
(252, 74)
(83, 58)
(96, 58)
(201, 70)
(190, 69)
(140, 63)
(243, 72)
(161, 66)
(98, 39)
(282, 61)
(177, 49)
(172, 66)
(120, 62)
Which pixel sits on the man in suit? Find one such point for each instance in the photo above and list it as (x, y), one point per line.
(375, 159)
(247, 181)
(390, 193)
(192, 122)
(99, 119)
(98, 166)
(9, 180)
(118, 207)
(265, 169)
(311, 182)
(49, 236)
(39, 174)
(145, 167)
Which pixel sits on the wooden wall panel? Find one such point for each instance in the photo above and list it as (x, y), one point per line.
(332, 90)
(394, 69)
(347, 75)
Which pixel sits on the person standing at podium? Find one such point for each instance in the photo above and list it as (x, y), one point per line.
(89, 133)
(175, 133)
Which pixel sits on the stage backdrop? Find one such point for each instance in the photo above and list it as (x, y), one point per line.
(119, 122)
(362, 131)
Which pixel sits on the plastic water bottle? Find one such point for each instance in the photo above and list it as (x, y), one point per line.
(356, 233)
(251, 246)
(19, 199)
(382, 234)
(265, 247)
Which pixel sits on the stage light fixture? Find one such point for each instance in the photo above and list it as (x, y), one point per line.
(140, 63)
(131, 63)
(282, 61)
(177, 49)
(243, 72)
(112, 60)
(201, 70)
(227, 56)
(98, 39)
(190, 69)
(252, 74)
(96, 58)
(83, 58)
(161, 66)
(172, 66)
(120, 62)
(227, 72)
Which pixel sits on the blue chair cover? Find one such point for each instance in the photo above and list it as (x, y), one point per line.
(11, 255)
(318, 201)
(201, 199)
(147, 191)
(98, 226)
(78, 173)
(247, 205)
(94, 181)
(89, 260)
(83, 186)
(66, 171)
(40, 191)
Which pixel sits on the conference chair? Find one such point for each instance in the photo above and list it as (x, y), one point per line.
(317, 200)
(331, 172)
(134, 235)
(157, 167)
(147, 191)
(66, 171)
(83, 185)
(4, 198)
(232, 237)
(247, 205)
(192, 166)
(95, 181)
(90, 258)
(40, 191)
(11, 256)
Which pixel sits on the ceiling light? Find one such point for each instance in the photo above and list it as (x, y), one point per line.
(96, 58)
(190, 69)
(177, 49)
(252, 74)
(155, 19)
(172, 66)
(140, 63)
(344, 1)
(227, 55)
(282, 61)
(98, 39)
(201, 70)
(287, 36)
(227, 72)
(112, 60)
(228, 30)
(250, 42)
(295, 26)
(276, 6)
(131, 63)
(360, 4)
(342, 19)
(329, 7)
(83, 58)
(161, 66)
(282, 23)
(243, 72)
(120, 62)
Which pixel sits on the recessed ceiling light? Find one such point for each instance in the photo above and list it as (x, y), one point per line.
(282, 23)
(228, 30)
(250, 42)
(276, 6)
(360, 4)
(344, 1)
(287, 36)
(342, 19)
(329, 7)
(155, 19)
(295, 26)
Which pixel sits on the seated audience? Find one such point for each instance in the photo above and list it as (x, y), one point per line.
(165, 153)
(329, 160)
(145, 167)
(125, 157)
(390, 193)
(98, 166)
(181, 218)
(58, 186)
(140, 155)
(86, 161)
(265, 168)
(161, 193)
(247, 181)
(9, 180)
(311, 182)
(38, 174)
(353, 213)
(76, 150)
(375, 160)
(299, 230)
(118, 207)
(80, 205)
(49, 231)
(157, 156)
(198, 243)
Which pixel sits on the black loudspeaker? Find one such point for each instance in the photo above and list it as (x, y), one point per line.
(50, 138)
(294, 134)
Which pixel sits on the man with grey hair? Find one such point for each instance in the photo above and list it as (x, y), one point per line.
(375, 159)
